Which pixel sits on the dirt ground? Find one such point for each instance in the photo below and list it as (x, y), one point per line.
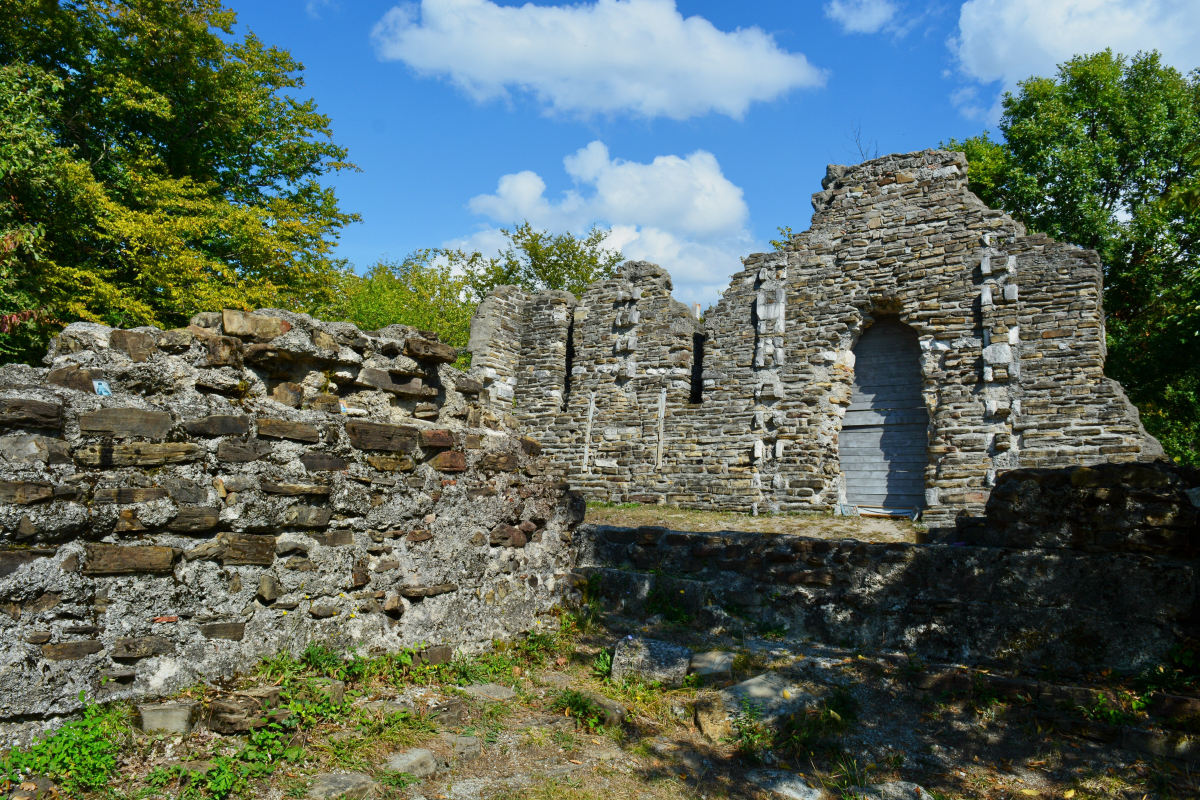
(956, 746)
(823, 526)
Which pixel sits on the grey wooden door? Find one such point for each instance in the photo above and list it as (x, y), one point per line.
(885, 431)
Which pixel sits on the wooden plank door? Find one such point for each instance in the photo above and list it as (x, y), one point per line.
(882, 445)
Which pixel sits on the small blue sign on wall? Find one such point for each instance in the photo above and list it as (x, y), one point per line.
(102, 388)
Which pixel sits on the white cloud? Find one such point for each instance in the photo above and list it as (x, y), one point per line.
(313, 7)
(861, 16)
(680, 213)
(1010, 40)
(640, 57)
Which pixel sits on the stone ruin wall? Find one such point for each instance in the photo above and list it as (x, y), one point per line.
(1011, 330)
(255, 482)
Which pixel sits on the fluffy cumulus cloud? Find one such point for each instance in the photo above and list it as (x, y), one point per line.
(640, 57)
(861, 16)
(681, 213)
(1010, 40)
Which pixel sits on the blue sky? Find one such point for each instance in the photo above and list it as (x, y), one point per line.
(691, 129)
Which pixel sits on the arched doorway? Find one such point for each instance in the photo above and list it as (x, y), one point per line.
(882, 446)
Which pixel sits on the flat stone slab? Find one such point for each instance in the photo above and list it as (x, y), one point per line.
(490, 691)
(713, 666)
(168, 717)
(651, 661)
(418, 762)
(348, 785)
(771, 696)
(785, 784)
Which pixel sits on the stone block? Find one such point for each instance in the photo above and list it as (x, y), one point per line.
(16, 412)
(426, 350)
(294, 489)
(322, 611)
(437, 438)
(385, 381)
(268, 589)
(315, 461)
(334, 538)
(381, 436)
(138, 346)
(34, 449)
(712, 667)
(490, 691)
(248, 549)
(125, 422)
(25, 493)
(500, 462)
(79, 380)
(418, 762)
(508, 536)
(306, 516)
(289, 394)
(894, 790)
(134, 647)
(233, 631)
(258, 326)
(129, 494)
(174, 718)
(242, 452)
(468, 386)
(195, 519)
(138, 454)
(283, 429)
(427, 591)
(71, 651)
(449, 461)
(12, 560)
(651, 661)
(342, 786)
(391, 463)
(219, 425)
(776, 783)
(115, 559)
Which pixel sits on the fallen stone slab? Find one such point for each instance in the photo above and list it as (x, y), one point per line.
(385, 707)
(651, 661)
(614, 712)
(466, 748)
(490, 691)
(175, 718)
(418, 762)
(895, 790)
(712, 667)
(349, 785)
(771, 696)
(778, 783)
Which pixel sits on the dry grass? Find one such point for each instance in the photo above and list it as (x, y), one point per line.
(822, 526)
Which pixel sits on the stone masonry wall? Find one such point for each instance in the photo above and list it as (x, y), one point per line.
(1070, 569)
(1011, 328)
(247, 485)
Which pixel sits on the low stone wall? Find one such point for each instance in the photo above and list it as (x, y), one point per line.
(1119, 508)
(1027, 608)
(176, 504)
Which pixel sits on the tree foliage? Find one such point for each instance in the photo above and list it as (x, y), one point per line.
(155, 164)
(1106, 155)
(421, 290)
(539, 260)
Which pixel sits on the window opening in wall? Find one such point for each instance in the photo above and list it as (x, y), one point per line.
(697, 394)
(570, 360)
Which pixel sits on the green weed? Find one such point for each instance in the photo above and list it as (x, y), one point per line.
(581, 707)
(807, 731)
(749, 734)
(602, 665)
(81, 755)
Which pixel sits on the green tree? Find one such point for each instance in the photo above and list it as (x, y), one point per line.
(421, 290)
(538, 261)
(1105, 155)
(156, 164)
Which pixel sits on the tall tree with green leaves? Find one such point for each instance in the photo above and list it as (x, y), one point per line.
(539, 260)
(1105, 155)
(154, 163)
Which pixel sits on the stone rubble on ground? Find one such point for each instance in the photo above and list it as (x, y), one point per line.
(650, 661)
